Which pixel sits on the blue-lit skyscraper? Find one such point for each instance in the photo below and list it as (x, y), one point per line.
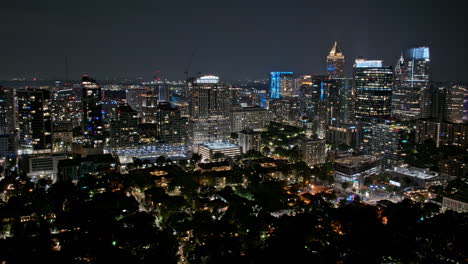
(412, 82)
(281, 84)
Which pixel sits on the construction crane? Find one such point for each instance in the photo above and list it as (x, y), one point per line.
(189, 64)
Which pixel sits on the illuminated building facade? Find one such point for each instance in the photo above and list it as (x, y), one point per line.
(255, 118)
(34, 121)
(171, 127)
(93, 127)
(209, 110)
(313, 151)
(335, 63)
(124, 128)
(373, 89)
(412, 82)
(281, 84)
(250, 140)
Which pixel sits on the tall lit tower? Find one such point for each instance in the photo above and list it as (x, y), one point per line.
(373, 89)
(412, 83)
(281, 84)
(209, 110)
(93, 128)
(34, 121)
(335, 63)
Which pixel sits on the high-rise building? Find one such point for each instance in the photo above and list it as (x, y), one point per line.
(412, 82)
(255, 118)
(250, 140)
(171, 127)
(34, 121)
(93, 127)
(164, 93)
(313, 102)
(373, 89)
(124, 128)
(285, 110)
(443, 133)
(313, 151)
(340, 103)
(335, 62)
(7, 111)
(209, 110)
(372, 86)
(149, 108)
(281, 84)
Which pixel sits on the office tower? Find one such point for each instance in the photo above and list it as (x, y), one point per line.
(313, 101)
(340, 105)
(149, 108)
(34, 121)
(335, 63)
(372, 86)
(7, 111)
(373, 89)
(124, 128)
(313, 151)
(255, 118)
(209, 110)
(281, 84)
(93, 127)
(250, 140)
(163, 92)
(412, 82)
(171, 127)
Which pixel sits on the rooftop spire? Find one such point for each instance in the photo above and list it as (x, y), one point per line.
(335, 50)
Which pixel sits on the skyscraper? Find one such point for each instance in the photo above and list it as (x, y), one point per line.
(209, 110)
(335, 62)
(281, 84)
(373, 89)
(372, 85)
(412, 82)
(171, 127)
(93, 127)
(7, 120)
(34, 121)
(124, 127)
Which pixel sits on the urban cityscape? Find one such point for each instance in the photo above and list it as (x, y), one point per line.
(362, 161)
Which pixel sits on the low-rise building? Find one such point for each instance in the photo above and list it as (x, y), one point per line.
(423, 178)
(208, 150)
(354, 169)
(457, 202)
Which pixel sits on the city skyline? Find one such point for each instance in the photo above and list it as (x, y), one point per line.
(235, 41)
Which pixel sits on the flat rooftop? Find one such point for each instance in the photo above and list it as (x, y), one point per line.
(422, 174)
(355, 161)
(220, 145)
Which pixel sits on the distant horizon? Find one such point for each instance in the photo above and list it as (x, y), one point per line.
(238, 40)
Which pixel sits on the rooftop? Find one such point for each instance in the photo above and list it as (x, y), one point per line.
(419, 173)
(355, 161)
(220, 145)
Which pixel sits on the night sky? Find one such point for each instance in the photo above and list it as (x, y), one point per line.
(234, 39)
